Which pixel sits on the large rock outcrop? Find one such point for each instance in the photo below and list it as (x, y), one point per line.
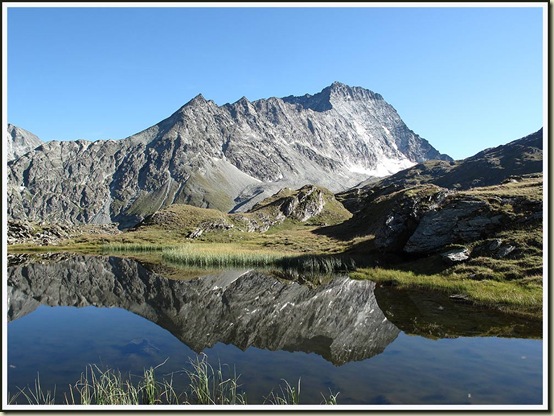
(226, 157)
(426, 219)
(309, 203)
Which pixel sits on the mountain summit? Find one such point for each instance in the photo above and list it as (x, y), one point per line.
(227, 157)
(19, 141)
(336, 92)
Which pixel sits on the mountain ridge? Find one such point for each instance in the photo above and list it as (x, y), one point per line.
(227, 157)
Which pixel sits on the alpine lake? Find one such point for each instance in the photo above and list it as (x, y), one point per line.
(360, 342)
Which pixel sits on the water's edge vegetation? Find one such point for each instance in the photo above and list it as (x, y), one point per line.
(206, 386)
(522, 295)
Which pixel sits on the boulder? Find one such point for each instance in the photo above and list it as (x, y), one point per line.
(495, 247)
(205, 226)
(456, 255)
(403, 220)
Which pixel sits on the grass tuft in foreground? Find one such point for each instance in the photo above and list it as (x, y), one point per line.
(210, 386)
(35, 395)
(287, 395)
(207, 386)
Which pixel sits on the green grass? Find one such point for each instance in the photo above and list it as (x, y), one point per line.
(288, 265)
(287, 394)
(35, 395)
(135, 247)
(524, 298)
(528, 188)
(212, 386)
(207, 386)
(221, 255)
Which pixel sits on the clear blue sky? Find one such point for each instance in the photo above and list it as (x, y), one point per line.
(463, 78)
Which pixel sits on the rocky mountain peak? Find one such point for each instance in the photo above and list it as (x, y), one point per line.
(332, 96)
(245, 105)
(199, 103)
(199, 99)
(338, 91)
(19, 141)
(319, 102)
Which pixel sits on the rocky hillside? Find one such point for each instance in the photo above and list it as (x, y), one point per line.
(309, 204)
(489, 205)
(225, 157)
(425, 218)
(19, 141)
(486, 168)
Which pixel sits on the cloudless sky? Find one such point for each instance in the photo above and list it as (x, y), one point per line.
(464, 78)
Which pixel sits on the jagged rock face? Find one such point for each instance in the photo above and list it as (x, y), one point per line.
(307, 204)
(226, 157)
(427, 218)
(245, 308)
(22, 232)
(302, 205)
(457, 221)
(19, 142)
(404, 217)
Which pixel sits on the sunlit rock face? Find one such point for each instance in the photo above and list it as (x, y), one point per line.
(340, 320)
(227, 157)
(18, 142)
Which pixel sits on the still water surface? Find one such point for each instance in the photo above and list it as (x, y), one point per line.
(340, 337)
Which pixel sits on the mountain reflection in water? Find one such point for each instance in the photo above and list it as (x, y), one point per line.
(340, 320)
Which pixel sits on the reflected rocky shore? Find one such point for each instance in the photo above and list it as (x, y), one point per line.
(435, 315)
(339, 320)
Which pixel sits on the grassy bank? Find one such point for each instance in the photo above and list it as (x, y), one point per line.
(523, 297)
(304, 267)
(135, 247)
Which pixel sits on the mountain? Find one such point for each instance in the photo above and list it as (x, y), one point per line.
(19, 141)
(226, 157)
